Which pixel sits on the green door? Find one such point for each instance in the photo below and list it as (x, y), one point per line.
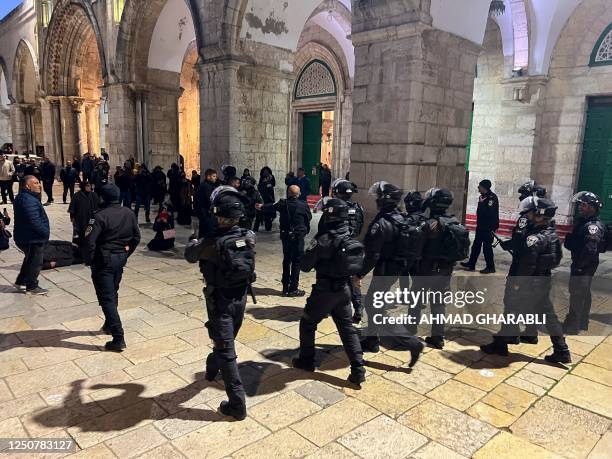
(596, 164)
(311, 152)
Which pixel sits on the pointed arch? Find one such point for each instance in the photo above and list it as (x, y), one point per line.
(25, 78)
(602, 52)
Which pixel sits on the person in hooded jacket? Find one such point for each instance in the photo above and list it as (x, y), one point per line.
(266, 185)
(82, 208)
(247, 187)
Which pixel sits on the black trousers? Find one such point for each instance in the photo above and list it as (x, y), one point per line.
(482, 240)
(6, 188)
(68, 188)
(48, 187)
(532, 295)
(265, 218)
(434, 278)
(106, 273)
(326, 300)
(225, 316)
(31, 265)
(356, 299)
(580, 297)
(292, 258)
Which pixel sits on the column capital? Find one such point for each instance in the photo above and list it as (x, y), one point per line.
(76, 103)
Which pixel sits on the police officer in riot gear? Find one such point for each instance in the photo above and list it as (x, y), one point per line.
(336, 256)
(227, 261)
(535, 256)
(110, 238)
(531, 188)
(344, 190)
(381, 255)
(437, 262)
(585, 243)
(413, 201)
(487, 222)
(247, 188)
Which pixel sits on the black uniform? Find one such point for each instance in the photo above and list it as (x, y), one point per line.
(330, 295)
(533, 257)
(295, 219)
(207, 221)
(266, 185)
(111, 238)
(584, 242)
(253, 198)
(69, 177)
(380, 255)
(225, 306)
(82, 208)
(487, 222)
(47, 170)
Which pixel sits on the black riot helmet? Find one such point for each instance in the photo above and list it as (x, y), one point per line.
(387, 195)
(587, 197)
(413, 201)
(247, 183)
(539, 206)
(438, 199)
(227, 202)
(531, 188)
(333, 209)
(344, 189)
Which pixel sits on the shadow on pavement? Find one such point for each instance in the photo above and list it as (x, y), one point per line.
(47, 338)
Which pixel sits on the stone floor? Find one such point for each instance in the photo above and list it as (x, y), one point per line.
(152, 400)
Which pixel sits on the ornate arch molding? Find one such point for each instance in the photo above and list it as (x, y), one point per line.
(72, 24)
(24, 51)
(317, 52)
(136, 32)
(315, 80)
(602, 52)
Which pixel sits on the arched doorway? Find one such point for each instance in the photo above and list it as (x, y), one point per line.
(74, 77)
(26, 112)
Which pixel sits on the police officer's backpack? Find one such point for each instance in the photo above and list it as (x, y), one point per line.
(349, 257)
(454, 241)
(237, 254)
(409, 238)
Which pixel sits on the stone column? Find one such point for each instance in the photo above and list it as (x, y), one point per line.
(121, 133)
(48, 130)
(80, 130)
(412, 101)
(18, 126)
(56, 133)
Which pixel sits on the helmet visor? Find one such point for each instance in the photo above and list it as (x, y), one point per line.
(527, 204)
(220, 190)
(377, 188)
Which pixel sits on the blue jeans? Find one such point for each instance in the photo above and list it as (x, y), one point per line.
(143, 200)
(126, 198)
(106, 273)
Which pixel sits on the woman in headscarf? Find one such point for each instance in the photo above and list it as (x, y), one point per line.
(184, 201)
(165, 234)
(266, 185)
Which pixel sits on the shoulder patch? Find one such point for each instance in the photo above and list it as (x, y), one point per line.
(531, 240)
(593, 229)
(91, 221)
(490, 202)
(522, 222)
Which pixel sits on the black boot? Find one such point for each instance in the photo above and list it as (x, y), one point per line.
(239, 414)
(147, 216)
(415, 353)
(303, 365)
(559, 357)
(529, 339)
(116, 345)
(106, 329)
(357, 376)
(498, 346)
(212, 370)
(357, 318)
(435, 341)
(370, 344)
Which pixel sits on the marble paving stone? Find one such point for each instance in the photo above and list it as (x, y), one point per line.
(293, 446)
(386, 396)
(334, 421)
(597, 374)
(585, 394)
(101, 363)
(445, 361)
(491, 415)
(5, 392)
(42, 378)
(456, 395)
(165, 451)
(560, 427)
(509, 399)
(187, 420)
(600, 356)
(433, 450)
(191, 355)
(155, 348)
(283, 410)
(422, 378)
(320, 393)
(381, 363)
(14, 324)
(451, 428)
(11, 367)
(332, 451)
(99, 451)
(382, 437)
(485, 376)
(211, 441)
(150, 367)
(59, 394)
(136, 441)
(602, 448)
(12, 428)
(507, 446)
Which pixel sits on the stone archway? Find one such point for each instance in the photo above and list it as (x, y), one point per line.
(26, 116)
(75, 73)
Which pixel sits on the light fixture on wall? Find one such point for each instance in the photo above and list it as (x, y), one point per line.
(497, 8)
(517, 72)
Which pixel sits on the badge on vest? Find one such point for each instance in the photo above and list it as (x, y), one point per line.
(241, 243)
(352, 211)
(593, 229)
(490, 202)
(522, 223)
(532, 240)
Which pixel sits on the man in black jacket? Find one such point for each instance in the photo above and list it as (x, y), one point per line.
(111, 237)
(207, 221)
(68, 177)
(585, 242)
(82, 208)
(47, 170)
(487, 222)
(295, 219)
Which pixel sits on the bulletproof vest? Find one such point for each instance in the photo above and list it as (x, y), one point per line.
(545, 241)
(346, 255)
(355, 218)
